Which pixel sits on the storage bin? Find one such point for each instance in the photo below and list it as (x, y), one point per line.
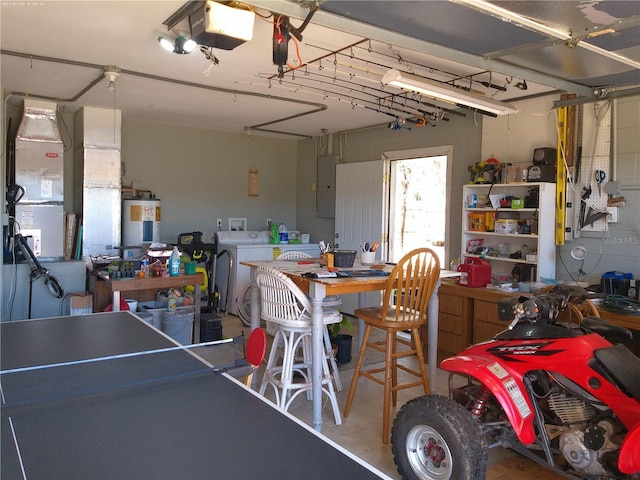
(477, 222)
(210, 327)
(179, 324)
(149, 318)
(156, 314)
(506, 225)
(344, 258)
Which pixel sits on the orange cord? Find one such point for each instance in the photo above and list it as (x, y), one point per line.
(295, 42)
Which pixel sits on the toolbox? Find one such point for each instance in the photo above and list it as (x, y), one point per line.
(475, 273)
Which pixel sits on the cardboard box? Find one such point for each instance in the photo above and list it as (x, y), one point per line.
(515, 174)
(81, 303)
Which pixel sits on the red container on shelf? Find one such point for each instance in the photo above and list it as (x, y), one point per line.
(476, 273)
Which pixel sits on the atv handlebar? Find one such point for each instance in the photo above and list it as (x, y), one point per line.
(543, 308)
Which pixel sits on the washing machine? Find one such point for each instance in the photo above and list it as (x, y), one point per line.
(238, 246)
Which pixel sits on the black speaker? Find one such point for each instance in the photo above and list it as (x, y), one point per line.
(210, 327)
(545, 156)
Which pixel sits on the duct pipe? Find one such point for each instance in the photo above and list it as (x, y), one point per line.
(319, 107)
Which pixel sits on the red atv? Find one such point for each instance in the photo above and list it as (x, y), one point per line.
(563, 395)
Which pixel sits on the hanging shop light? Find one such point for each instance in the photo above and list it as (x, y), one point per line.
(447, 93)
(182, 45)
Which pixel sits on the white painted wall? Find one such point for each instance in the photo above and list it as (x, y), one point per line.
(202, 175)
(464, 133)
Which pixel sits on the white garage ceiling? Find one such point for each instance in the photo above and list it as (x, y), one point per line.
(505, 50)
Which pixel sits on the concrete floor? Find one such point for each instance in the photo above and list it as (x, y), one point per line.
(361, 432)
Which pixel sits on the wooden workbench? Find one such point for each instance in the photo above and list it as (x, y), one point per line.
(153, 284)
(470, 315)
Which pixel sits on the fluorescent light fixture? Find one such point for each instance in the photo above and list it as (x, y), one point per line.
(231, 22)
(447, 93)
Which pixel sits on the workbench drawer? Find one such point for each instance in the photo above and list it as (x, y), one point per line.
(450, 323)
(451, 304)
(485, 321)
(486, 311)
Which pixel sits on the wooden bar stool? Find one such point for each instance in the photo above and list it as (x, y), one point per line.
(404, 308)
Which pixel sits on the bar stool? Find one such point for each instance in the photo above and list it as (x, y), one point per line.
(404, 307)
(283, 303)
(331, 301)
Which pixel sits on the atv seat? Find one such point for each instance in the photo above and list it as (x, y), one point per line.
(613, 333)
(620, 365)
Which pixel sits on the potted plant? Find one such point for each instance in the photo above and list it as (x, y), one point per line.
(114, 269)
(341, 340)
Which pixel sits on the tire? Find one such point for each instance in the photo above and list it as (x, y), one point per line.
(244, 307)
(435, 426)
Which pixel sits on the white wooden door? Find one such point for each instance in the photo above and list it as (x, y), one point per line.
(360, 212)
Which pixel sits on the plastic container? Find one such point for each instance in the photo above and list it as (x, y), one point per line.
(616, 283)
(172, 302)
(506, 225)
(144, 266)
(274, 236)
(344, 258)
(475, 273)
(174, 263)
(162, 300)
(133, 304)
(156, 314)
(284, 233)
(150, 318)
(367, 258)
(477, 222)
(344, 342)
(490, 221)
(179, 325)
(210, 327)
(190, 268)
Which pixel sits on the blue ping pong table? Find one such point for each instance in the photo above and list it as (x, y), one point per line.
(80, 401)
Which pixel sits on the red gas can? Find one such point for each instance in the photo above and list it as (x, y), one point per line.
(476, 273)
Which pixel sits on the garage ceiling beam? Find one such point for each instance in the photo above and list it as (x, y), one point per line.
(285, 7)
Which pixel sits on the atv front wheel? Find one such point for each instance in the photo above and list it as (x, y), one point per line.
(434, 438)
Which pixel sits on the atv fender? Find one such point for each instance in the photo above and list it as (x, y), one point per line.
(506, 386)
(629, 456)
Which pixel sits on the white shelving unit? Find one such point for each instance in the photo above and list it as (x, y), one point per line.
(499, 248)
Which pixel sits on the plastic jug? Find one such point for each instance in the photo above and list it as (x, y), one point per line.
(284, 233)
(275, 234)
(174, 263)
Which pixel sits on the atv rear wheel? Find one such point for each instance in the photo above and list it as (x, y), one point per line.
(434, 438)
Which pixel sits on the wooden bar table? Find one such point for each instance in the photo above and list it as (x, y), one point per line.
(318, 289)
(157, 283)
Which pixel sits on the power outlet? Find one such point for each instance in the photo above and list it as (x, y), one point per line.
(613, 214)
(269, 223)
(219, 223)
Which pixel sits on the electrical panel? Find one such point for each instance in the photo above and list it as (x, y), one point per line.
(326, 194)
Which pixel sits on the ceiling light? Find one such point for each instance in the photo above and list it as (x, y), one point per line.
(183, 45)
(448, 93)
(111, 73)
